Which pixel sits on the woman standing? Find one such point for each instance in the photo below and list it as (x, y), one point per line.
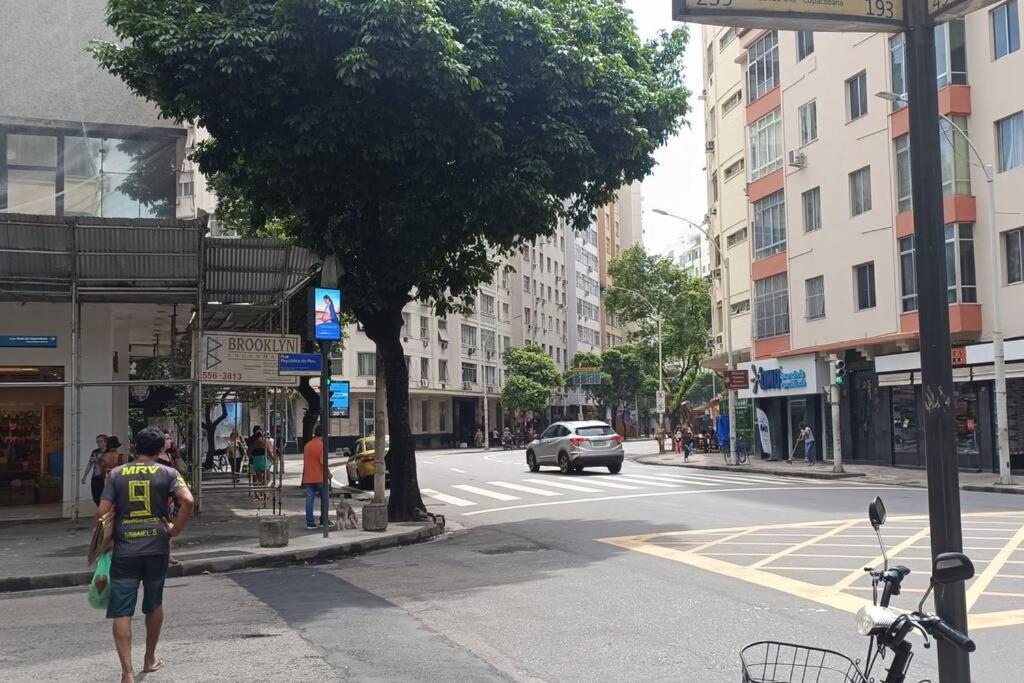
(258, 463)
(236, 451)
(808, 438)
(96, 468)
(677, 441)
(660, 436)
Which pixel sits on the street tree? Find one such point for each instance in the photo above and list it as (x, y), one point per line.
(415, 142)
(625, 377)
(530, 378)
(682, 301)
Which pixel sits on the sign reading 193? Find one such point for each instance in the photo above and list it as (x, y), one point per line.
(835, 15)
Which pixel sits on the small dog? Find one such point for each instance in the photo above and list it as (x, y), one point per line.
(347, 518)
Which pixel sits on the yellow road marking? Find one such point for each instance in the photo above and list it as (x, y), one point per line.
(719, 541)
(801, 546)
(852, 577)
(985, 578)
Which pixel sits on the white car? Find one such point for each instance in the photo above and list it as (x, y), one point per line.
(572, 446)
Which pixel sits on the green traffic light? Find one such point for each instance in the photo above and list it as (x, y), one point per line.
(840, 380)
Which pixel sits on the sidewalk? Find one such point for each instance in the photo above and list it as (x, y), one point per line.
(224, 538)
(872, 474)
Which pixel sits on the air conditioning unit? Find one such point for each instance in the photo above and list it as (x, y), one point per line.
(370, 382)
(426, 342)
(424, 383)
(490, 354)
(471, 350)
(709, 146)
(444, 344)
(746, 190)
(797, 159)
(467, 385)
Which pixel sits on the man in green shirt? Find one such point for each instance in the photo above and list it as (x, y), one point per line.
(138, 493)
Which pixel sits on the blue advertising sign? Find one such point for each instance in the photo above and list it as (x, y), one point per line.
(326, 325)
(340, 398)
(309, 364)
(27, 342)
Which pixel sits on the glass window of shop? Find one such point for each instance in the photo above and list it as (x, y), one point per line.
(905, 426)
(968, 444)
(31, 437)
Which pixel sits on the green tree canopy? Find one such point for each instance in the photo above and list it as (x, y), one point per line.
(414, 141)
(530, 377)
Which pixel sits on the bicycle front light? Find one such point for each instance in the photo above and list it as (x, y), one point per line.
(873, 620)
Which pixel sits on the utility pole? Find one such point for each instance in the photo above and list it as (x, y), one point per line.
(483, 367)
(933, 312)
(325, 428)
(837, 444)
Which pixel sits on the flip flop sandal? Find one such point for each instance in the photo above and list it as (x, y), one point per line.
(157, 665)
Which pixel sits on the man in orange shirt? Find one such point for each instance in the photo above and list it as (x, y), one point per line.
(313, 474)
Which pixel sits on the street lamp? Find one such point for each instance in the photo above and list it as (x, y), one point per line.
(657, 318)
(998, 356)
(730, 361)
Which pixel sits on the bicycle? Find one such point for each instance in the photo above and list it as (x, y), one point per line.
(742, 454)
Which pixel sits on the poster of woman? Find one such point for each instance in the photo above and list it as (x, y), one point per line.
(326, 302)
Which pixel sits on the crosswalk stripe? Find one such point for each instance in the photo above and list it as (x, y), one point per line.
(445, 498)
(524, 489)
(741, 479)
(603, 481)
(650, 482)
(696, 481)
(485, 492)
(562, 485)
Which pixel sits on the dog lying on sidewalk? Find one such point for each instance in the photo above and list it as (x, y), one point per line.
(347, 517)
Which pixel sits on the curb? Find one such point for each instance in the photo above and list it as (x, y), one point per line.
(992, 488)
(802, 473)
(284, 557)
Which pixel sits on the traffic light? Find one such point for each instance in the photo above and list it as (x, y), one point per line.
(840, 373)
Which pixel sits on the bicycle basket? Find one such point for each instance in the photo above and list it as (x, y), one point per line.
(774, 662)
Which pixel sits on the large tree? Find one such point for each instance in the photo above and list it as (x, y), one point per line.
(530, 377)
(625, 376)
(647, 286)
(414, 141)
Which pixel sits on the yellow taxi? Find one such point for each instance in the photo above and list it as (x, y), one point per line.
(361, 463)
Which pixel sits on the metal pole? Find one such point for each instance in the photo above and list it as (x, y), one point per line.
(837, 444)
(325, 429)
(729, 359)
(380, 430)
(483, 368)
(998, 355)
(933, 312)
(661, 381)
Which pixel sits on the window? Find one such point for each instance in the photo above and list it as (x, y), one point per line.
(489, 341)
(425, 416)
(442, 370)
(860, 191)
(1010, 134)
(424, 368)
(904, 200)
(898, 68)
(588, 336)
(770, 225)
(588, 284)
(709, 61)
(812, 209)
(487, 304)
(815, 288)
(771, 307)
(505, 314)
(1005, 29)
(951, 53)
(908, 274)
(526, 284)
(864, 274)
(469, 372)
(468, 337)
(587, 310)
(804, 44)
(442, 325)
(733, 169)
(727, 37)
(956, 157)
(709, 123)
(737, 237)
(549, 264)
(762, 66)
(186, 187)
(586, 258)
(504, 279)
(526, 316)
(740, 307)
(366, 364)
(1015, 256)
(730, 102)
(366, 417)
(406, 323)
(490, 375)
(714, 186)
(857, 96)
(424, 327)
(809, 122)
(961, 279)
(765, 139)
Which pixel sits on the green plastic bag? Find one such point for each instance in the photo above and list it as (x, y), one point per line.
(99, 587)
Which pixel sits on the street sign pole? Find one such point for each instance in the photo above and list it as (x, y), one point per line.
(325, 427)
(933, 313)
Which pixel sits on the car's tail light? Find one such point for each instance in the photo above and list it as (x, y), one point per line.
(577, 440)
(616, 438)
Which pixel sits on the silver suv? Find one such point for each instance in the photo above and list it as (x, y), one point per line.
(575, 445)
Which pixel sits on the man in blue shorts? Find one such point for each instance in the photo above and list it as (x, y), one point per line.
(138, 493)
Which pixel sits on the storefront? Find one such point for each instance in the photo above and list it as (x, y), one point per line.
(898, 387)
(31, 437)
(788, 392)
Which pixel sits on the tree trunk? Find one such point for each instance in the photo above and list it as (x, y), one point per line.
(405, 503)
(210, 428)
(312, 414)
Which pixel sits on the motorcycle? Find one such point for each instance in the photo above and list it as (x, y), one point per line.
(506, 442)
(778, 662)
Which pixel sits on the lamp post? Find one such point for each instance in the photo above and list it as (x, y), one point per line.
(657, 319)
(998, 354)
(730, 361)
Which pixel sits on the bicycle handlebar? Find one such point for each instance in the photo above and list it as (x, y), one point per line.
(936, 627)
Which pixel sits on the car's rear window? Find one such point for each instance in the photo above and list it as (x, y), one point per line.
(597, 430)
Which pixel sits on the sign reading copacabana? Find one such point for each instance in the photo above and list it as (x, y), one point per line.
(822, 15)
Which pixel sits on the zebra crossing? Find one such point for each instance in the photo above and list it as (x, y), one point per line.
(545, 487)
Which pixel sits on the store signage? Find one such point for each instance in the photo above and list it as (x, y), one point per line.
(736, 380)
(959, 356)
(340, 398)
(823, 15)
(792, 375)
(325, 322)
(242, 359)
(768, 379)
(300, 364)
(27, 342)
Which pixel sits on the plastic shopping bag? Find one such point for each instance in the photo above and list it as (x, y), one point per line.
(99, 587)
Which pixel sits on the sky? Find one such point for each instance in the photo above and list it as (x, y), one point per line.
(678, 183)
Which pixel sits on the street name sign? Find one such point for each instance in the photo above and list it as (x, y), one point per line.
(242, 359)
(822, 15)
(300, 364)
(737, 380)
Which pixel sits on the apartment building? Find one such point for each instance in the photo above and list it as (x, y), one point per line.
(809, 188)
(696, 256)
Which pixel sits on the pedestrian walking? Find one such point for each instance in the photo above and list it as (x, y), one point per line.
(138, 495)
(95, 468)
(313, 474)
(258, 462)
(660, 436)
(808, 438)
(687, 445)
(677, 441)
(112, 457)
(478, 438)
(236, 452)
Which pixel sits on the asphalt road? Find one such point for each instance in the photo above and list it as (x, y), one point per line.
(652, 574)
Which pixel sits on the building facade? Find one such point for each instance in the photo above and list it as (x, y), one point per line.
(809, 188)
